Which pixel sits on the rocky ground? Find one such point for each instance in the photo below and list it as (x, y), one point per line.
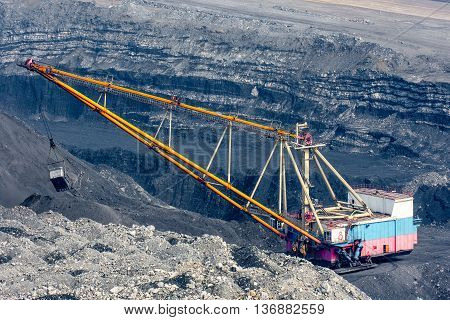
(47, 256)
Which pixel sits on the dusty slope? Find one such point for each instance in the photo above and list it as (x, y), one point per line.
(421, 8)
(47, 256)
(105, 195)
(23, 171)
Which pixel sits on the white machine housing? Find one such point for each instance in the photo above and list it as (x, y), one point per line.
(392, 203)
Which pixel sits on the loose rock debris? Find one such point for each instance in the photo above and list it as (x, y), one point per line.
(55, 258)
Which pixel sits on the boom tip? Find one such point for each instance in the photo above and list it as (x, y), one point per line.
(28, 64)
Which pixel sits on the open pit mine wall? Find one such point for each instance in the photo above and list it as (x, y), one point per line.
(355, 94)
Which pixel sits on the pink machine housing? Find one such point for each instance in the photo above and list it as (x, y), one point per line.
(391, 230)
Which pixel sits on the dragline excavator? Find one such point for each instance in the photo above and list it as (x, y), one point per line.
(368, 223)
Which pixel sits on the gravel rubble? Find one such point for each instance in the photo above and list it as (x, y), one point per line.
(47, 256)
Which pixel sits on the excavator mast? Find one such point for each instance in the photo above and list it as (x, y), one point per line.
(292, 146)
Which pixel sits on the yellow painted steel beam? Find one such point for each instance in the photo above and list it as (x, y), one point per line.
(304, 187)
(173, 161)
(54, 71)
(157, 145)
